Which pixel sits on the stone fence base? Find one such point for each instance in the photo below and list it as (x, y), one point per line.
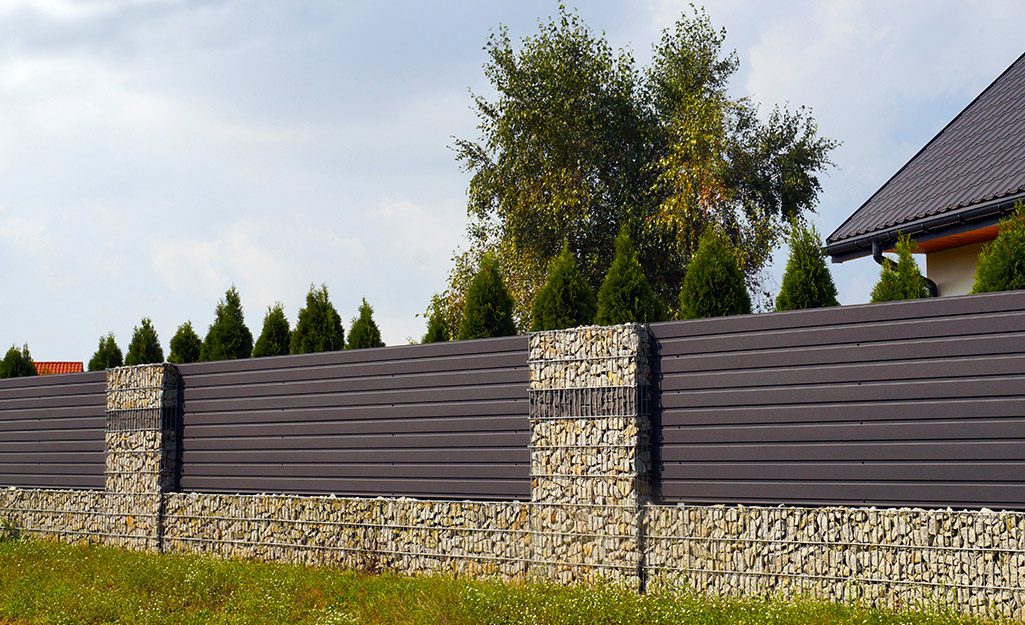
(971, 560)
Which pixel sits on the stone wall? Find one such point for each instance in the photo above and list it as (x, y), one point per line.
(75, 516)
(590, 456)
(971, 559)
(464, 537)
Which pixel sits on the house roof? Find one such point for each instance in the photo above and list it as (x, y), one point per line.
(53, 367)
(965, 179)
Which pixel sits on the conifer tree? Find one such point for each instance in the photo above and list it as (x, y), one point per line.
(438, 329)
(488, 308)
(807, 282)
(145, 345)
(276, 337)
(565, 301)
(228, 337)
(901, 280)
(1001, 264)
(625, 295)
(17, 363)
(364, 332)
(713, 285)
(108, 354)
(319, 327)
(185, 345)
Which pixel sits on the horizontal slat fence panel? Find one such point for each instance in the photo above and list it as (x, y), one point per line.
(52, 431)
(444, 420)
(906, 403)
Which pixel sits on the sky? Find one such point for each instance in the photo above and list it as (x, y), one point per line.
(153, 153)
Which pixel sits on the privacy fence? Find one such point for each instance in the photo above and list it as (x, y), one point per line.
(853, 452)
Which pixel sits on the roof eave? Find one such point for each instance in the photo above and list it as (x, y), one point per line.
(954, 222)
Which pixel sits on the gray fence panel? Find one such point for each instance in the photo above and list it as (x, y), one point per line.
(444, 420)
(908, 403)
(52, 431)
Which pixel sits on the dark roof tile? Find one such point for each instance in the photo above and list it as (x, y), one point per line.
(979, 156)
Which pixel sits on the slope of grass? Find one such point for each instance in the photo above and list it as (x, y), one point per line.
(48, 582)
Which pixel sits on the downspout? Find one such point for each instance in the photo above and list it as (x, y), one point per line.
(877, 254)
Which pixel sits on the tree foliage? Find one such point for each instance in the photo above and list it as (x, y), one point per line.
(807, 282)
(580, 141)
(1001, 264)
(565, 301)
(363, 332)
(144, 347)
(108, 354)
(901, 280)
(185, 345)
(275, 338)
(488, 309)
(438, 327)
(714, 284)
(228, 337)
(625, 295)
(319, 327)
(17, 363)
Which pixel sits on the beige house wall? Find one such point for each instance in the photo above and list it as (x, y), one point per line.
(953, 270)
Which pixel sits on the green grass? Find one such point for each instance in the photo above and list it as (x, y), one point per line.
(48, 582)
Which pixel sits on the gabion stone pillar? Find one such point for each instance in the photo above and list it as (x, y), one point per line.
(142, 415)
(590, 453)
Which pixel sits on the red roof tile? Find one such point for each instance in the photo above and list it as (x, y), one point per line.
(54, 367)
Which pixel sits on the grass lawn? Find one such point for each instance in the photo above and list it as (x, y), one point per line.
(49, 582)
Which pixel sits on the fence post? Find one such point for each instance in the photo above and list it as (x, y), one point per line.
(590, 452)
(141, 447)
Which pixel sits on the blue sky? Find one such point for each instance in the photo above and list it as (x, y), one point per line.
(154, 153)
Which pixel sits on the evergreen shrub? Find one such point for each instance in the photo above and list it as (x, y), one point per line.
(807, 282)
(276, 337)
(228, 337)
(901, 280)
(1001, 264)
(108, 354)
(145, 345)
(185, 345)
(319, 326)
(17, 363)
(363, 332)
(488, 308)
(625, 295)
(565, 301)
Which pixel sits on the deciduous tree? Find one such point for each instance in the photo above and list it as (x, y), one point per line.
(580, 141)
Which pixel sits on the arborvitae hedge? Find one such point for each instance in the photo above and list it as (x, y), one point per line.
(185, 345)
(145, 346)
(1001, 264)
(276, 337)
(228, 337)
(17, 363)
(438, 329)
(319, 327)
(807, 282)
(108, 354)
(364, 331)
(488, 308)
(901, 280)
(625, 296)
(713, 285)
(565, 301)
